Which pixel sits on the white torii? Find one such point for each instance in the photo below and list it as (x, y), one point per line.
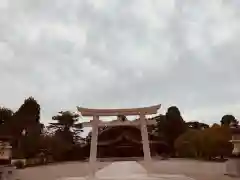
(95, 123)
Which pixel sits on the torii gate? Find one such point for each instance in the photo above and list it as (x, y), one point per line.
(95, 123)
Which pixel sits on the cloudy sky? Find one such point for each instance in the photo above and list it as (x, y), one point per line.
(122, 53)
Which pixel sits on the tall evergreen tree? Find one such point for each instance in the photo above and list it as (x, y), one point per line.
(5, 121)
(5, 115)
(66, 126)
(171, 126)
(228, 119)
(27, 127)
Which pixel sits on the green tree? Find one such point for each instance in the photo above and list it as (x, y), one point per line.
(228, 119)
(188, 144)
(66, 126)
(208, 143)
(5, 115)
(27, 119)
(27, 116)
(161, 125)
(171, 126)
(66, 134)
(215, 142)
(5, 121)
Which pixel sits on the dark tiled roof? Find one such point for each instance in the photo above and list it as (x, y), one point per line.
(5, 138)
(236, 130)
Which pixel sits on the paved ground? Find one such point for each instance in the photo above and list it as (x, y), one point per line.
(195, 169)
(56, 171)
(199, 170)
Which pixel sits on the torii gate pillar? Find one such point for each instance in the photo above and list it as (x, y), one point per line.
(145, 140)
(93, 149)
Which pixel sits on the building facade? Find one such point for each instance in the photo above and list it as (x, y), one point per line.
(125, 141)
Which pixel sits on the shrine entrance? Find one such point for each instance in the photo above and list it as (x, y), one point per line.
(96, 123)
(129, 151)
(120, 148)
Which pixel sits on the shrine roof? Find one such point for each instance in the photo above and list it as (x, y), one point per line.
(114, 132)
(235, 130)
(5, 138)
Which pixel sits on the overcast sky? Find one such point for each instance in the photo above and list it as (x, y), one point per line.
(122, 53)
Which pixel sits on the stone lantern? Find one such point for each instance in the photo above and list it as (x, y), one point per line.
(233, 164)
(6, 169)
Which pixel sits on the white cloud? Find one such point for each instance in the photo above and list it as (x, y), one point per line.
(121, 54)
(6, 52)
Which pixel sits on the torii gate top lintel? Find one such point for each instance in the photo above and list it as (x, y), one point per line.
(117, 112)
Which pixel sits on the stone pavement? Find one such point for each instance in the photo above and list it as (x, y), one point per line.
(198, 170)
(129, 170)
(56, 171)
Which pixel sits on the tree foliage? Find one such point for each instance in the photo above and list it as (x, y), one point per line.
(215, 141)
(26, 119)
(65, 120)
(228, 119)
(66, 132)
(5, 115)
(171, 126)
(67, 124)
(197, 125)
(195, 139)
(187, 145)
(207, 143)
(5, 121)
(27, 116)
